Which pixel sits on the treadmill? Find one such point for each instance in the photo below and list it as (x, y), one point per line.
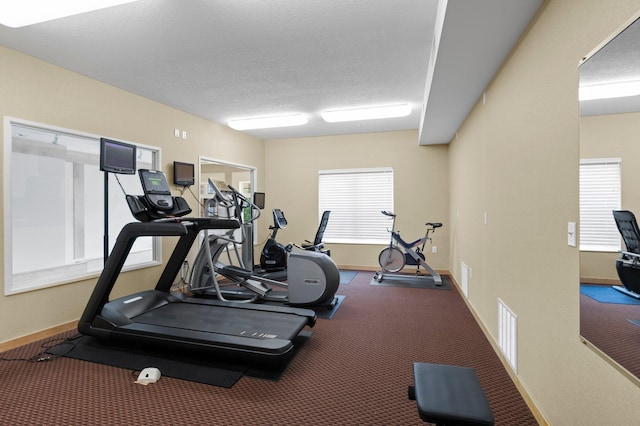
(162, 318)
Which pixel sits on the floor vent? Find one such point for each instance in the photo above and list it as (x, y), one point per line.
(464, 279)
(508, 334)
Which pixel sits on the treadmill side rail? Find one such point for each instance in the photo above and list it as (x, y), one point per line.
(112, 268)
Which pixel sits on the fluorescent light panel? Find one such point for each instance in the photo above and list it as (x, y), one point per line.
(609, 90)
(367, 113)
(268, 122)
(20, 13)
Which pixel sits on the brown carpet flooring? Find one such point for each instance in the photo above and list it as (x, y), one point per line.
(607, 326)
(354, 370)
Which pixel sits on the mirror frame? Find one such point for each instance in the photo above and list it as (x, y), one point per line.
(616, 363)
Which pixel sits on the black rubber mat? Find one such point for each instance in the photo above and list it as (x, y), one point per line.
(194, 367)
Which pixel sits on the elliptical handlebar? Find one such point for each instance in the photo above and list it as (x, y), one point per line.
(244, 202)
(386, 213)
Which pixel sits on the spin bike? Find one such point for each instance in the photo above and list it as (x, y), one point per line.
(400, 253)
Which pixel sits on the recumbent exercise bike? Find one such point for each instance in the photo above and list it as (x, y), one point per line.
(628, 264)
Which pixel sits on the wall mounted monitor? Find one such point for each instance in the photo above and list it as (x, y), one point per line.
(117, 157)
(258, 199)
(183, 173)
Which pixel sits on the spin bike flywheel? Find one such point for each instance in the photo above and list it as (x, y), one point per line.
(391, 259)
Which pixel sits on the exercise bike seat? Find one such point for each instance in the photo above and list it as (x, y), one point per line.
(434, 225)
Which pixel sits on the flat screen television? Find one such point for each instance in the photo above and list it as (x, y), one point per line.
(183, 173)
(258, 199)
(117, 157)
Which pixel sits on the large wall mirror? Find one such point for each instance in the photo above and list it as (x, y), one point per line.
(609, 180)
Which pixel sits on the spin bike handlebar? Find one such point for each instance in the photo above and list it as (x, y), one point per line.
(433, 225)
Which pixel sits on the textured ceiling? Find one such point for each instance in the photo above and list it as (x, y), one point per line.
(221, 59)
(617, 61)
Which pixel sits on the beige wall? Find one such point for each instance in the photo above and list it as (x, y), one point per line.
(420, 187)
(39, 92)
(612, 136)
(516, 158)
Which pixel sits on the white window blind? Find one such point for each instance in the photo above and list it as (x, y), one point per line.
(356, 198)
(600, 194)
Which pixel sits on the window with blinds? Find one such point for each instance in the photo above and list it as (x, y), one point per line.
(356, 198)
(600, 194)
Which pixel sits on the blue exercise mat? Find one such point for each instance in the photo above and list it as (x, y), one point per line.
(325, 313)
(607, 294)
(347, 276)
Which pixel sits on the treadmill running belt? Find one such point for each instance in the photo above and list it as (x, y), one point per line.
(222, 320)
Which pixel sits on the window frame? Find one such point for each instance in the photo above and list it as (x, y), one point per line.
(59, 275)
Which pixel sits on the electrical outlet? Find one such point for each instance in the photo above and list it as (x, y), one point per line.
(571, 234)
(176, 133)
(184, 134)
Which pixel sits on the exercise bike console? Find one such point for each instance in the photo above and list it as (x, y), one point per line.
(279, 220)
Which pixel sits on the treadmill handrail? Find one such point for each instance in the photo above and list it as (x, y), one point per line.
(129, 233)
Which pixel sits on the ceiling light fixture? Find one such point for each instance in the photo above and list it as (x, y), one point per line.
(268, 122)
(367, 113)
(20, 13)
(609, 90)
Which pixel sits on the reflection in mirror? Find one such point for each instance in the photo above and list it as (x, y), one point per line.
(609, 179)
(241, 178)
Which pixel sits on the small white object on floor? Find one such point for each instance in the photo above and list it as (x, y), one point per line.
(148, 375)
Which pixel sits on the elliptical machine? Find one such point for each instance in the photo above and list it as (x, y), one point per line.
(273, 257)
(313, 277)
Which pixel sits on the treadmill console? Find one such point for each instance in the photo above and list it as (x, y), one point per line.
(157, 202)
(156, 189)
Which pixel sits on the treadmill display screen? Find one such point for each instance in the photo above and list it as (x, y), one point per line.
(154, 182)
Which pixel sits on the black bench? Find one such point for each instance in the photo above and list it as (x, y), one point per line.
(449, 396)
